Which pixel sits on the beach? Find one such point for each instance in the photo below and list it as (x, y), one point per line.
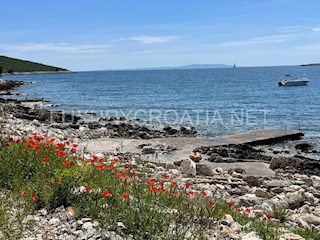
(242, 173)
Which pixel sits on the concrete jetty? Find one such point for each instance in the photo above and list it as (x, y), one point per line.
(259, 137)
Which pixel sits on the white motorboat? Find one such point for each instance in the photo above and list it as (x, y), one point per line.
(293, 81)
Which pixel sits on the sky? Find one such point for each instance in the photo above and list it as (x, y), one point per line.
(83, 35)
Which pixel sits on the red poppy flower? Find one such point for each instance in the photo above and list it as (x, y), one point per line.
(173, 184)
(210, 203)
(105, 193)
(165, 176)
(18, 141)
(203, 194)
(61, 153)
(269, 216)
(151, 181)
(101, 166)
(127, 165)
(67, 163)
(176, 193)
(187, 185)
(68, 143)
(115, 161)
(125, 195)
(112, 168)
(190, 193)
(248, 210)
(45, 159)
(238, 210)
(154, 189)
(79, 158)
(88, 189)
(230, 204)
(73, 150)
(23, 192)
(75, 145)
(264, 218)
(58, 181)
(47, 183)
(34, 197)
(161, 184)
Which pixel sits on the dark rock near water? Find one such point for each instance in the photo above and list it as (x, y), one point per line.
(296, 164)
(233, 153)
(304, 147)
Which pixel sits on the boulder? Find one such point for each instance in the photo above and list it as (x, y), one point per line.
(188, 167)
(203, 169)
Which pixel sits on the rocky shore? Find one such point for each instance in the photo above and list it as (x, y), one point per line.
(295, 185)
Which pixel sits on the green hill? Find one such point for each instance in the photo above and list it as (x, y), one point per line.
(13, 65)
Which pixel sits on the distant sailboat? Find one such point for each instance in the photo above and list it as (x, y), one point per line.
(234, 65)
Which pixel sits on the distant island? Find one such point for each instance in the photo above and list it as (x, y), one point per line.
(310, 64)
(14, 66)
(191, 66)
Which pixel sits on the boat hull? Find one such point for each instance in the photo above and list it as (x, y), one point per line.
(286, 83)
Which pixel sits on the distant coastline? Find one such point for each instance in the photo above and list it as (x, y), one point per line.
(310, 65)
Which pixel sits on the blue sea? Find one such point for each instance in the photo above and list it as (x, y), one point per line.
(216, 101)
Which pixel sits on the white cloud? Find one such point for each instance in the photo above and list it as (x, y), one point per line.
(149, 39)
(259, 40)
(56, 47)
(316, 29)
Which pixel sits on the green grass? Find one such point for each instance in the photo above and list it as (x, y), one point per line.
(10, 65)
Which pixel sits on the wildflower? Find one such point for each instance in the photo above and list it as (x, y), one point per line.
(176, 193)
(4, 132)
(18, 141)
(163, 190)
(154, 189)
(74, 145)
(264, 218)
(112, 168)
(238, 210)
(161, 184)
(190, 193)
(79, 158)
(187, 185)
(151, 181)
(47, 184)
(58, 181)
(23, 192)
(105, 193)
(101, 166)
(165, 176)
(88, 189)
(61, 153)
(67, 163)
(269, 216)
(203, 194)
(115, 161)
(34, 197)
(125, 195)
(68, 143)
(51, 140)
(94, 159)
(210, 203)
(173, 184)
(248, 210)
(230, 203)
(73, 150)
(45, 159)
(127, 165)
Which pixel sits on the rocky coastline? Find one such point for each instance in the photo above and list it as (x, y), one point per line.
(295, 184)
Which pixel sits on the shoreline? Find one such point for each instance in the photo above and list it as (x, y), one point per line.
(36, 73)
(240, 173)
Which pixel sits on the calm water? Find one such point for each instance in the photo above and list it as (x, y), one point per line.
(217, 101)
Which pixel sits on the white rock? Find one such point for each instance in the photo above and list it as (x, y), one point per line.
(188, 167)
